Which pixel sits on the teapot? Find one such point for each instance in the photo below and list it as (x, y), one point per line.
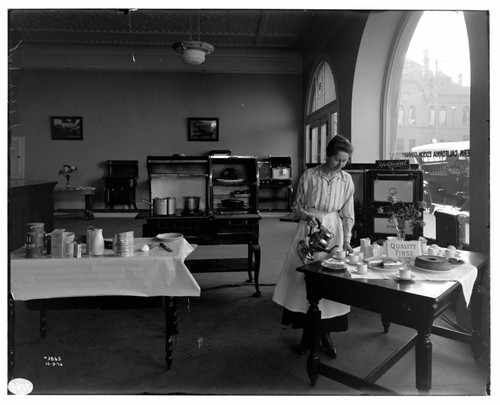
(318, 242)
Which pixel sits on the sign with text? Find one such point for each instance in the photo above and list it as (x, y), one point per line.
(400, 249)
(392, 164)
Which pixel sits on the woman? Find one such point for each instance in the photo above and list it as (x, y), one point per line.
(324, 196)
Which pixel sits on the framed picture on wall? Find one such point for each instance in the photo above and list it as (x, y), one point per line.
(66, 128)
(203, 129)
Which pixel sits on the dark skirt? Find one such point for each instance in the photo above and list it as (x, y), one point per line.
(298, 321)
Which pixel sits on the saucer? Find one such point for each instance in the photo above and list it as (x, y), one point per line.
(397, 278)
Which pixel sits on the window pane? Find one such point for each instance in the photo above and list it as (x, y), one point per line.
(435, 91)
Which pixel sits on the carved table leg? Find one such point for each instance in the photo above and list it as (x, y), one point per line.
(386, 322)
(250, 262)
(423, 361)
(170, 306)
(313, 336)
(255, 248)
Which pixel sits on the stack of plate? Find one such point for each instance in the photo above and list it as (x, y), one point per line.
(123, 244)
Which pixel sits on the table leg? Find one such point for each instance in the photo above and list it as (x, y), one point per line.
(386, 322)
(170, 307)
(476, 309)
(254, 248)
(423, 361)
(43, 323)
(89, 200)
(312, 331)
(250, 262)
(11, 336)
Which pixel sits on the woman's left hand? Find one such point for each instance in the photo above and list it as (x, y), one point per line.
(347, 247)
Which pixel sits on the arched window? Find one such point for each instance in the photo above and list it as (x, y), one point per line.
(413, 115)
(433, 65)
(443, 112)
(432, 116)
(465, 116)
(322, 113)
(401, 115)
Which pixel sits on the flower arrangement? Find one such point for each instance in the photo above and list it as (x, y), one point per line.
(402, 213)
(67, 171)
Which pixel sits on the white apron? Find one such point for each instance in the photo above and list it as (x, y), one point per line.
(290, 291)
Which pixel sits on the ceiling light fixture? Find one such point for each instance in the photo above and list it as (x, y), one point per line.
(193, 52)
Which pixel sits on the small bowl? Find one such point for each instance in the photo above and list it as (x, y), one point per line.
(169, 237)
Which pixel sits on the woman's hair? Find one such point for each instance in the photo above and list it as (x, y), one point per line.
(338, 144)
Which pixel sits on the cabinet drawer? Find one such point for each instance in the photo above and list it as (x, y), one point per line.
(236, 226)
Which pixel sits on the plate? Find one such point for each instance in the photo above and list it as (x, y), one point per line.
(169, 237)
(380, 266)
(396, 277)
(232, 181)
(335, 265)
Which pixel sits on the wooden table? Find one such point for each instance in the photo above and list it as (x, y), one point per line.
(415, 305)
(87, 192)
(157, 273)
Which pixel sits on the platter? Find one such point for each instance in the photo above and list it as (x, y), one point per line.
(378, 264)
(169, 237)
(334, 265)
(231, 181)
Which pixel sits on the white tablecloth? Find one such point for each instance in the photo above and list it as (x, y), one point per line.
(155, 273)
(465, 274)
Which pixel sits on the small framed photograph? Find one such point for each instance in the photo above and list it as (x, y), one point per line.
(66, 128)
(203, 129)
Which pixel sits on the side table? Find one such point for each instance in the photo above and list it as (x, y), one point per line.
(87, 192)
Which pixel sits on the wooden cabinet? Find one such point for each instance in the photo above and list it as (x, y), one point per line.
(29, 202)
(120, 183)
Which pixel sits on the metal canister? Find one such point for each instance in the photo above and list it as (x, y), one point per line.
(69, 250)
(77, 251)
(88, 241)
(171, 206)
(35, 239)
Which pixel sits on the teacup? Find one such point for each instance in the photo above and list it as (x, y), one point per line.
(353, 258)
(405, 273)
(449, 253)
(432, 252)
(340, 254)
(362, 268)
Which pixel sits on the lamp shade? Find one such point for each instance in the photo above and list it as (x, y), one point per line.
(193, 56)
(193, 52)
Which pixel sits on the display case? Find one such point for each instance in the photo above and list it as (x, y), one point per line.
(405, 185)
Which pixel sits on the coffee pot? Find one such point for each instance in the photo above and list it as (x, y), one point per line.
(316, 242)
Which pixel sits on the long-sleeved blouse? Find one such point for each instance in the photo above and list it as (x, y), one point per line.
(318, 192)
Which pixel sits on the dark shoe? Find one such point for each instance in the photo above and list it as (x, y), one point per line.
(302, 347)
(327, 344)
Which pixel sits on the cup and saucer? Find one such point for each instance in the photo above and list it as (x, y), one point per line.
(404, 275)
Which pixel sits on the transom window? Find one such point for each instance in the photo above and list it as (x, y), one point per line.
(322, 113)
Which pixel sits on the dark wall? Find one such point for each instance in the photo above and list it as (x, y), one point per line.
(129, 115)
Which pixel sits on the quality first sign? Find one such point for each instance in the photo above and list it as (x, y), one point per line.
(400, 249)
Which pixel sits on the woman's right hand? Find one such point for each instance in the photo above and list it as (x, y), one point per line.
(312, 220)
